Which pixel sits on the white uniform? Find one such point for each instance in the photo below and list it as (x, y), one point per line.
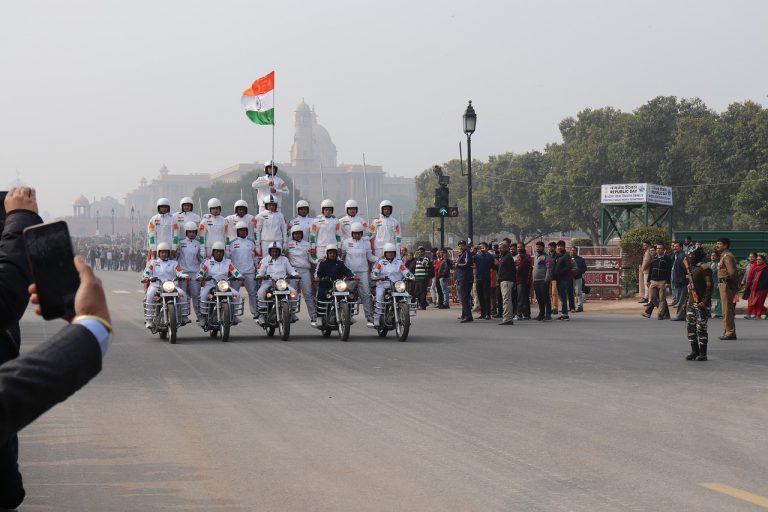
(213, 228)
(188, 256)
(270, 227)
(300, 259)
(161, 228)
(181, 218)
(274, 269)
(385, 230)
(233, 219)
(346, 226)
(217, 270)
(304, 222)
(242, 252)
(167, 270)
(383, 269)
(325, 231)
(357, 256)
(262, 187)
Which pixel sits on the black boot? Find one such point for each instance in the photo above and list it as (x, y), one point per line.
(702, 352)
(694, 351)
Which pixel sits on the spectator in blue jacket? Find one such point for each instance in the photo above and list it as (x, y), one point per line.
(464, 279)
(483, 265)
(579, 269)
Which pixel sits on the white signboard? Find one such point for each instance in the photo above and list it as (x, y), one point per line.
(636, 193)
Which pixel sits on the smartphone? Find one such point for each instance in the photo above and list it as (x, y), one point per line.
(51, 259)
(3, 193)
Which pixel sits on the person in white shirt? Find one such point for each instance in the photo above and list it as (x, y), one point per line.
(272, 267)
(302, 219)
(186, 215)
(270, 227)
(162, 227)
(164, 269)
(350, 218)
(217, 267)
(389, 267)
(242, 252)
(385, 229)
(213, 228)
(188, 256)
(270, 184)
(241, 214)
(298, 252)
(325, 228)
(357, 255)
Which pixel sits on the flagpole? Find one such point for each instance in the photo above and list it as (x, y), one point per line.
(274, 104)
(365, 184)
(322, 182)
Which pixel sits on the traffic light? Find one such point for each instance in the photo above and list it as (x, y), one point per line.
(441, 197)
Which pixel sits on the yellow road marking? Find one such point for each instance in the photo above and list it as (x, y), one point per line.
(755, 499)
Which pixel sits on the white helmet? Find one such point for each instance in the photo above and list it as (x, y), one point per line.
(163, 246)
(163, 201)
(297, 229)
(274, 245)
(270, 199)
(384, 203)
(331, 247)
(240, 225)
(190, 226)
(356, 227)
(350, 204)
(242, 203)
(301, 204)
(214, 203)
(273, 165)
(217, 246)
(186, 200)
(327, 203)
(389, 247)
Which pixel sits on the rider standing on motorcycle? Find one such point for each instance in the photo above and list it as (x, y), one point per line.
(389, 267)
(242, 252)
(213, 228)
(274, 266)
(241, 215)
(188, 256)
(350, 218)
(216, 268)
(298, 254)
(270, 227)
(385, 229)
(326, 229)
(331, 268)
(162, 227)
(358, 257)
(186, 215)
(270, 185)
(302, 219)
(164, 269)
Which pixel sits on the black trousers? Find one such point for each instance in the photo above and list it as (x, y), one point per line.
(465, 296)
(483, 287)
(541, 290)
(11, 486)
(571, 301)
(420, 291)
(499, 301)
(523, 308)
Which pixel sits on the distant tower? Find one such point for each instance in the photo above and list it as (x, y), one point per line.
(81, 207)
(312, 145)
(163, 171)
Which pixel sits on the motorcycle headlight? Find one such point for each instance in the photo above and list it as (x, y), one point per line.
(222, 286)
(281, 284)
(340, 285)
(169, 287)
(400, 286)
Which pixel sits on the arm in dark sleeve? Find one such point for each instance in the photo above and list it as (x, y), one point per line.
(36, 381)
(14, 269)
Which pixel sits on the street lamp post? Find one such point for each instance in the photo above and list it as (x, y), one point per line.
(97, 223)
(113, 222)
(470, 121)
(132, 212)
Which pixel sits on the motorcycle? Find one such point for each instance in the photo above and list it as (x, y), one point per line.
(219, 310)
(280, 308)
(336, 309)
(167, 312)
(395, 311)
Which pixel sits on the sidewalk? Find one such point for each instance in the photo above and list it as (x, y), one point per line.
(630, 306)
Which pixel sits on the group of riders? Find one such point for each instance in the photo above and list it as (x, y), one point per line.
(252, 251)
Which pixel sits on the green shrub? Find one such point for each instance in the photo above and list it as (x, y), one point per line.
(582, 242)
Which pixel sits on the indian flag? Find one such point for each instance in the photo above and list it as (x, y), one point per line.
(259, 100)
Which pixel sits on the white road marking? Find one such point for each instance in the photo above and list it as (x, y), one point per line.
(121, 292)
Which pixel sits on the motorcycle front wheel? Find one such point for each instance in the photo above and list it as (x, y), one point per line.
(345, 321)
(226, 320)
(284, 323)
(403, 324)
(172, 327)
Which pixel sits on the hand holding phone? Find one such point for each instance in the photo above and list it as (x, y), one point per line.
(21, 198)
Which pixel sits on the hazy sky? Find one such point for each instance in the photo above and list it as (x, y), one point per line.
(96, 94)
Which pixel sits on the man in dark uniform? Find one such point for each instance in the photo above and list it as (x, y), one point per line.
(698, 304)
(728, 281)
(464, 278)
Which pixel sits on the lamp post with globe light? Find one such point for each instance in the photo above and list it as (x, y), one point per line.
(470, 122)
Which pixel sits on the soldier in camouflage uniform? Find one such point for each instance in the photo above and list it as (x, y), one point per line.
(699, 303)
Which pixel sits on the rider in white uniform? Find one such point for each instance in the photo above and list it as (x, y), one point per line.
(357, 255)
(270, 184)
(385, 229)
(298, 251)
(162, 227)
(186, 215)
(164, 269)
(326, 229)
(217, 267)
(302, 219)
(241, 214)
(242, 252)
(188, 256)
(392, 267)
(350, 218)
(213, 228)
(270, 227)
(272, 267)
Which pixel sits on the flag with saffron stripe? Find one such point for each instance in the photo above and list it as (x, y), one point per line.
(259, 100)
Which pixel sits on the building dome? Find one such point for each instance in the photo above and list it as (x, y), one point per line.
(82, 201)
(303, 107)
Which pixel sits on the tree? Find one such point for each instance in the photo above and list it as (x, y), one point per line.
(751, 201)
